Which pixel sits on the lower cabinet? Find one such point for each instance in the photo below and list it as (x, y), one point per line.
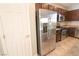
(77, 33)
(58, 35)
(71, 32)
(65, 32)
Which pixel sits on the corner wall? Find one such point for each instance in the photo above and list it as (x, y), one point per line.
(33, 27)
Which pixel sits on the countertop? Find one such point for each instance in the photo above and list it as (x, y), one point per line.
(69, 24)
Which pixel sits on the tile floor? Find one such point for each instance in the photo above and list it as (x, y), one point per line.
(66, 47)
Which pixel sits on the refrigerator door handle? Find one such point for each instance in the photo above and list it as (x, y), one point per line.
(48, 28)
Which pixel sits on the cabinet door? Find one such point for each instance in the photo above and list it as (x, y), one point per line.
(41, 6)
(44, 6)
(38, 6)
(71, 32)
(59, 10)
(51, 7)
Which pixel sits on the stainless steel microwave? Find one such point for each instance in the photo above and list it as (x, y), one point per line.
(60, 17)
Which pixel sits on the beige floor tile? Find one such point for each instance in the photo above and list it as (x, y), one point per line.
(66, 47)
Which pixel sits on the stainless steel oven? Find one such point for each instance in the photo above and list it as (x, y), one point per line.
(63, 34)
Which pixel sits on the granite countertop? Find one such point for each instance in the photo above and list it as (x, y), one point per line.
(69, 24)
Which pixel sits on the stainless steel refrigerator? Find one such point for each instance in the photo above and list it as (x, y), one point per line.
(46, 31)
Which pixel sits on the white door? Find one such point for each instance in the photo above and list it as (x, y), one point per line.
(16, 31)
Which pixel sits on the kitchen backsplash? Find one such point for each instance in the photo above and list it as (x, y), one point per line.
(69, 23)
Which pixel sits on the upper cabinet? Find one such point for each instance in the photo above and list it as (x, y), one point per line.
(38, 6)
(50, 7)
(44, 6)
(41, 6)
(61, 11)
(72, 15)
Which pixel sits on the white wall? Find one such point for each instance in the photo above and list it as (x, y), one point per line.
(31, 17)
(33, 28)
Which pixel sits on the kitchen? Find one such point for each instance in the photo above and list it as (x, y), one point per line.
(39, 29)
(66, 26)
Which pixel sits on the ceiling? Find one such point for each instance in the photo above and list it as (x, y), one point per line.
(69, 6)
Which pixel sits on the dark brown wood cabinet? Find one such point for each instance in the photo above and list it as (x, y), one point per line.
(61, 11)
(45, 6)
(72, 15)
(71, 32)
(69, 16)
(49, 7)
(38, 6)
(41, 6)
(58, 35)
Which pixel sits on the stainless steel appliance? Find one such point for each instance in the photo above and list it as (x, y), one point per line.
(60, 17)
(58, 34)
(63, 34)
(46, 31)
(77, 33)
